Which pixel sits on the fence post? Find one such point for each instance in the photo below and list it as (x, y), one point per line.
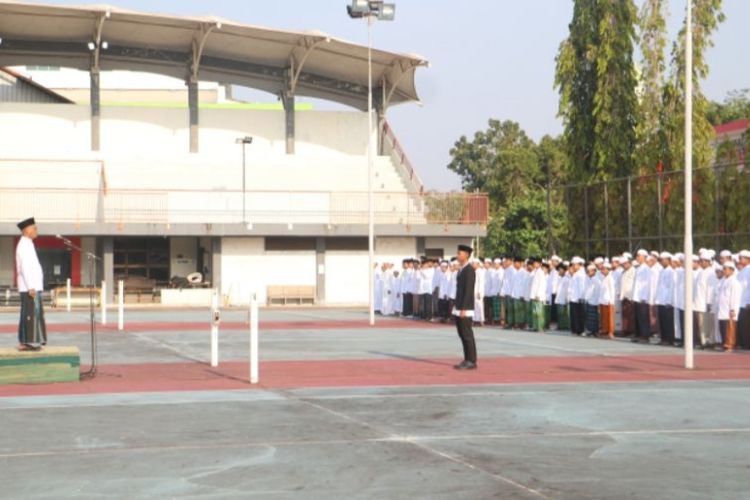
(717, 207)
(103, 302)
(586, 232)
(549, 213)
(660, 212)
(630, 214)
(67, 293)
(606, 219)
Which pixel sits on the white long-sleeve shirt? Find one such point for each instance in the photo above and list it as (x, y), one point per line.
(28, 268)
(591, 293)
(701, 290)
(627, 284)
(744, 278)
(519, 284)
(679, 288)
(506, 290)
(607, 290)
(577, 286)
(642, 285)
(562, 290)
(538, 289)
(730, 294)
(665, 287)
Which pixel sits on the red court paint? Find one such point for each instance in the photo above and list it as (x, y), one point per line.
(155, 377)
(177, 326)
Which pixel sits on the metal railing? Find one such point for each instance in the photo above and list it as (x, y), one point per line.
(391, 145)
(126, 206)
(609, 217)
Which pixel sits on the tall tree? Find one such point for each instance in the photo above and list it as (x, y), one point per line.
(653, 41)
(596, 79)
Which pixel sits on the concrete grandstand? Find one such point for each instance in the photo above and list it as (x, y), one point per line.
(140, 162)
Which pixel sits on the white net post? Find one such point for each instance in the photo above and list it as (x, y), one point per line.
(121, 305)
(103, 302)
(215, 316)
(253, 310)
(67, 294)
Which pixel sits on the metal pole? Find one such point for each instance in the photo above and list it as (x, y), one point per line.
(253, 339)
(688, 333)
(660, 213)
(121, 305)
(67, 293)
(586, 233)
(103, 302)
(370, 199)
(630, 214)
(606, 219)
(215, 328)
(244, 217)
(717, 208)
(549, 213)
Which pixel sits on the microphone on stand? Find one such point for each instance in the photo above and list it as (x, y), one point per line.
(63, 238)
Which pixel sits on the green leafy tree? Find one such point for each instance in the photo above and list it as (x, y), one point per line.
(735, 107)
(596, 79)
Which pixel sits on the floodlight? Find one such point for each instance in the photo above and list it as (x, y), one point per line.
(105, 45)
(91, 45)
(387, 12)
(244, 140)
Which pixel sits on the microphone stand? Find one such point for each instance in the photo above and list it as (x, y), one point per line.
(91, 259)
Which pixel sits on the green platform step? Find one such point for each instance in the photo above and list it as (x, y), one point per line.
(52, 364)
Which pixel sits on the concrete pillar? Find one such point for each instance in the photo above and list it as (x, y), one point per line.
(95, 108)
(421, 245)
(287, 100)
(320, 278)
(216, 263)
(108, 267)
(192, 85)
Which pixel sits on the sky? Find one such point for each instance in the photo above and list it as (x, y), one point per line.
(489, 59)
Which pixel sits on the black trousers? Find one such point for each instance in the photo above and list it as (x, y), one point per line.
(426, 306)
(466, 334)
(443, 311)
(743, 328)
(642, 320)
(577, 317)
(666, 323)
(407, 308)
(487, 303)
(553, 310)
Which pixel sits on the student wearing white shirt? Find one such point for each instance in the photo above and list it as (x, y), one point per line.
(730, 295)
(479, 274)
(561, 299)
(517, 293)
(641, 298)
(489, 284)
(497, 283)
(32, 329)
(425, 289)
(700, 298)
(576, 296)
(537, 295)
(553, 285)
(743, 321)
(444, 290)
(506, 294)
(627, 287)
(665, 299)
(607, 296)
(398, 301)
(406, 297)
(591, 297)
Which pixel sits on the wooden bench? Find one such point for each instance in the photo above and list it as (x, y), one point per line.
(138, 288)
(51, 364)
(286, 294)
(79, 296)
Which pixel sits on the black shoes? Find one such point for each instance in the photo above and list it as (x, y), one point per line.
(466, 365)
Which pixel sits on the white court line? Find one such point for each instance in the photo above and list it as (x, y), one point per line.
(170, 347)
(555, 391)
(390, 437)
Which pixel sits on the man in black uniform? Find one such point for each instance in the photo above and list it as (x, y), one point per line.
(463, 308)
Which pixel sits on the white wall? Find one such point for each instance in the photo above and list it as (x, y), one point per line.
(7, 260)
(395, 249)
(346, 277)
(449, 245)
(247, 268)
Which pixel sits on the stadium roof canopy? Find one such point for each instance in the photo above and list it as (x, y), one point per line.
(308, 63)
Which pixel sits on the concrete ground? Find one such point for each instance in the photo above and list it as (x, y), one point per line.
(349, 411)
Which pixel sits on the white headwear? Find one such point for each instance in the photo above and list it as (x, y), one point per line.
(745, 254)
(729, 265)
(665, 255)
(642, 253)
(725, 253)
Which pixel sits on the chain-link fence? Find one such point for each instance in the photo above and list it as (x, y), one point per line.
(647, 211)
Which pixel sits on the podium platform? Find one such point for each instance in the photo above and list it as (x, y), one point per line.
(51, 364)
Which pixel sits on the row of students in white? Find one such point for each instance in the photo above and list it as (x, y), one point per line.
(641, 296)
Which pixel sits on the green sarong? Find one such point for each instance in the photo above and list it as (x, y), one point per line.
(563, 317)
(536, 311)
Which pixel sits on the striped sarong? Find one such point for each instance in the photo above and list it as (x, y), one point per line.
(519, 312)
(495, 308)
(592, 318)
(536, 313)
(32, 329)
(563, 317)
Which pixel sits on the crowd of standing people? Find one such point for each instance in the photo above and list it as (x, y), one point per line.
(641, 297)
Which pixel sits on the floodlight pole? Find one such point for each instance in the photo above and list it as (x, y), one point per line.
(688, 333)
(370, 168)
